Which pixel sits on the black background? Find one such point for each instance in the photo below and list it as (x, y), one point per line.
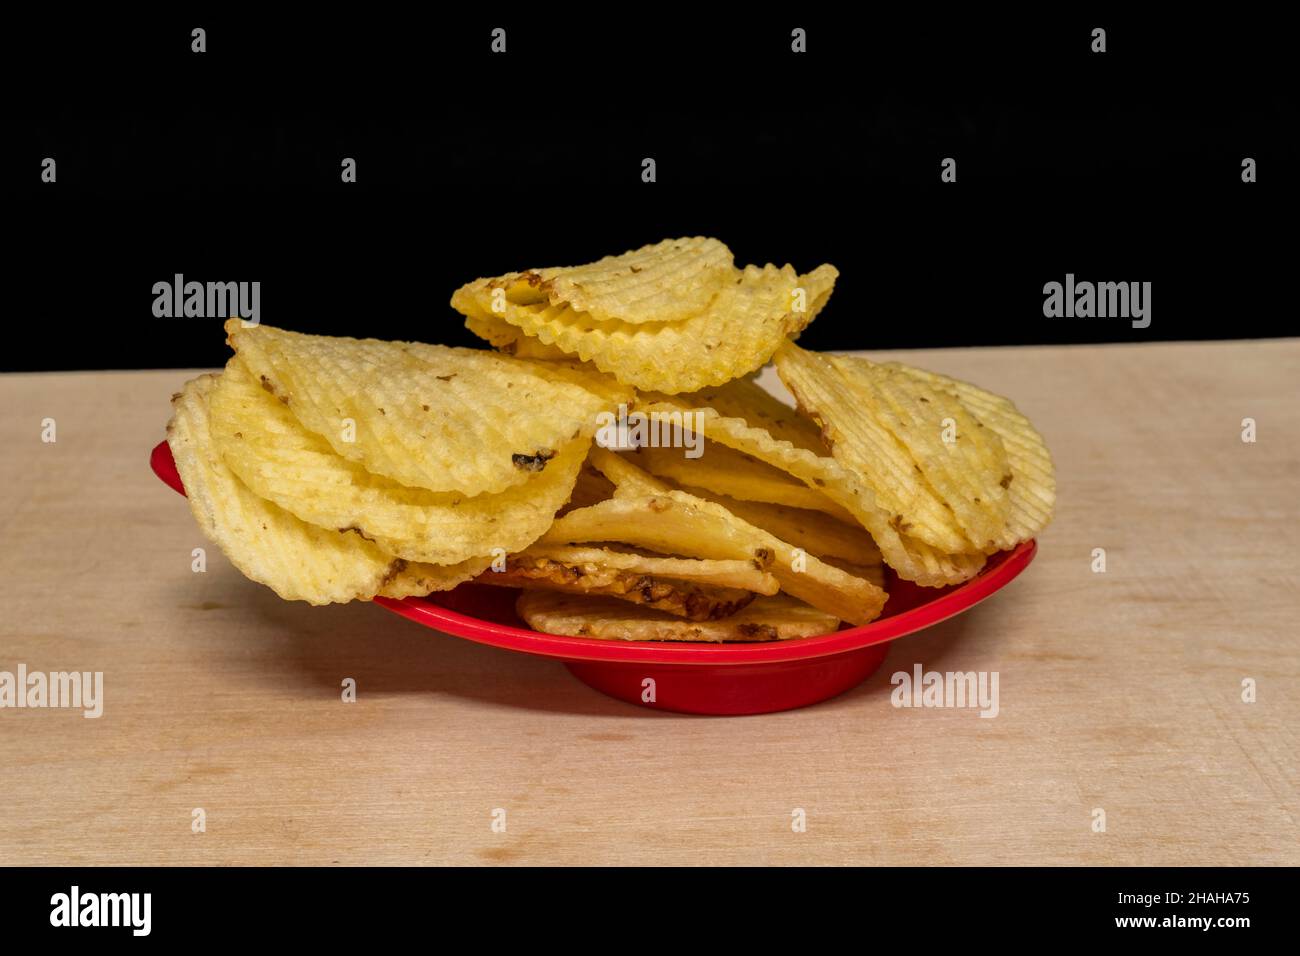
(224, 166)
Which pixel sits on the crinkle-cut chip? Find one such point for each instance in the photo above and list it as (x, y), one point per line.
(817, 533)
(737, 333)
(913, 560)
(445, 419)
(725, 574)
(504, 336)
(776, 618)
(725, 471)
(1031, 481)
(665, 282)
(297, 560)
(831, 394)
(688, 599)
(961, 460)
(674, 522)
(745, 399)
(265, 446)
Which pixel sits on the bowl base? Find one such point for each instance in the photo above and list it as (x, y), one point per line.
(731, 689)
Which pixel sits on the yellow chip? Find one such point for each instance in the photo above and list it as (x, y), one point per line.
(745, 399)
(775, 618)
(677, 523)
(628, 479)
(299, 561)
(1031, 482)
(665, 282)
(859, 440)
(960, 459)
(737, 333)
(815, 532)
(278, 459)
(504, 336)
(725, 471)
(445, 419)
(912, 559)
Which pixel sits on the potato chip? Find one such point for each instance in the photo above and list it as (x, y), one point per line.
(725, 574)
(504, 336)
(590, 488)
(677, 523)
(1031, 482)
(265, 446)
(445, 419)
(815, 532)
(665, 282)
(737, 333)
(745, 399)
(775, 618)
(960, 459)
(628, 479)
(912, 559)
(835, 397)
(725, 471)
(688, 599)
(299, 561)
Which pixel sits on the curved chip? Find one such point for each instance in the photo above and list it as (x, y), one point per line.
(831, 394)
(664, 282)
(297, 560)
(736, 334)
(1031, 481)
(445, 419)
(912, 559)
(775, 618)
(814, 531)
(674, 522)
(265, 446)
(725, 471)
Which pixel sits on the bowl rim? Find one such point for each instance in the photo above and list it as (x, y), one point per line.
(1002, 569)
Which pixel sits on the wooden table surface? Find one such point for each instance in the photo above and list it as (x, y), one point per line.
(1119, 691)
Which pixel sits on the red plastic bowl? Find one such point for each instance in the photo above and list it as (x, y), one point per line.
(700, 678)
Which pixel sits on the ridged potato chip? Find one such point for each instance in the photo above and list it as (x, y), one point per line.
(673, 522)
(745, 399)
(445, 419)
(299, 561)
(912, 559)
(775, 618)
(688, 599)
(665, 282)
(1031, 487)
(738, 331)
(265, 446)
(859, 440)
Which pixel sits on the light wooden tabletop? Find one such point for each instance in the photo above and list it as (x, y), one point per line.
(1119, 691)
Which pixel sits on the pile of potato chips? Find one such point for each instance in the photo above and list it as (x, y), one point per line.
(612, 458)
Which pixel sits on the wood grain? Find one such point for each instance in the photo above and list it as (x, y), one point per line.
(1119, 691)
